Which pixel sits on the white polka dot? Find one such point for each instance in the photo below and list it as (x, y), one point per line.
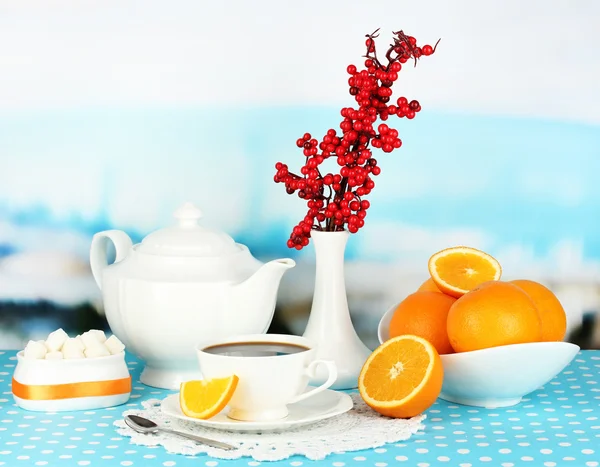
(380, 464)
(546, 451)
(65, 456)
(380, 450)
(443, 459)
(568, 458)
(22, 458)
(422, 451)
(83, 463)
(422, 464)
(587, 451)
(550, 464)
(463, 451)
(398, 458)
(507, 464)
(335, 464)
(592, 464)
(146, 456)
(171, 463)
(485, 459)
(504, 451)
(213, 463)
(126, 463)
(361, 458)
(41, 463)
(296, 463)
(526, 458)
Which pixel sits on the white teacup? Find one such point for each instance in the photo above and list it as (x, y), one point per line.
(273, 371)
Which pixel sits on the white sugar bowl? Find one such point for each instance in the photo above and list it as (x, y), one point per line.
(71, 384)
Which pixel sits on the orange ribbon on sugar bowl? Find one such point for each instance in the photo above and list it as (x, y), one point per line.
(110, 387)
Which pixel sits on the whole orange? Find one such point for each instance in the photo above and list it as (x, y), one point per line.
(552, 313)
(424, 314)
(429, 286)
(494, 313)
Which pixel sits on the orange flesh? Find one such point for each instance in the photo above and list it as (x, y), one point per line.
(402, 367)
(465, 271)
(402, 377)
(205, 398)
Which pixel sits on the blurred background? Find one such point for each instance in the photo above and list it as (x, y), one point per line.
(115, 112)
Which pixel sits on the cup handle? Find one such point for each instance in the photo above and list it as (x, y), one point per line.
(310, 371)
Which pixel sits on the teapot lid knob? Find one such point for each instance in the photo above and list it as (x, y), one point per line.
(187, 215)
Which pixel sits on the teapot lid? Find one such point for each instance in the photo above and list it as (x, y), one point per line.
(187, 237)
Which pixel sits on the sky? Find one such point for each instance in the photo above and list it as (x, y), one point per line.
(535, 58)
(115, 112)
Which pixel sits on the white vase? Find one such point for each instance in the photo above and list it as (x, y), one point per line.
(329, 324)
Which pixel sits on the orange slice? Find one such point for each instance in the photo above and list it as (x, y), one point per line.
(402, 377)
(459, 270)
(206, 398)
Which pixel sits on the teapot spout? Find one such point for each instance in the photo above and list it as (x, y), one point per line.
(260, 289)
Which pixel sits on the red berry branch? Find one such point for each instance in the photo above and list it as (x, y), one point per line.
(336, 200)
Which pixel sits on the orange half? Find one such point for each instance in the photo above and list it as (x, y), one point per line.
(206, 398)
(460, 269)
(402, 377)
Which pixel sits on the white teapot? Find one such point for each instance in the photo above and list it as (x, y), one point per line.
(179, 286)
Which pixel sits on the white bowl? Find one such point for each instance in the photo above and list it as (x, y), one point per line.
(71, 384)
(498, 376)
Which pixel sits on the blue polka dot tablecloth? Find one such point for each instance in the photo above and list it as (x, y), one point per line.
(557, 425)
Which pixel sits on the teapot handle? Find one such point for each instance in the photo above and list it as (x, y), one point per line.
(98, 260)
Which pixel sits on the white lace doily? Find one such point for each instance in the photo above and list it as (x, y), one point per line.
(360, 428)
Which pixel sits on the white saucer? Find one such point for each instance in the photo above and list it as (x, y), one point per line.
(321, 406)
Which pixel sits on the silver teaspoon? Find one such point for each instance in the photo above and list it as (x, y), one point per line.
(143, 425)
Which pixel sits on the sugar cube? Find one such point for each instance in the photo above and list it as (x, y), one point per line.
(80, 342)
(99, 350)
(99, 335)
(56, 339)
(114, 345)
(54, 355)
(44, 344)
(72, 349)
(90, 339)
(35, 349)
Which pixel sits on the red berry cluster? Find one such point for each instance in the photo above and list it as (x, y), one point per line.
(335, 200)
